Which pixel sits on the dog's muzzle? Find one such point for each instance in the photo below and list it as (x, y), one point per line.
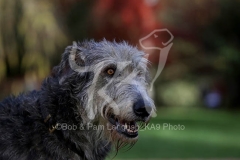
(142, 111)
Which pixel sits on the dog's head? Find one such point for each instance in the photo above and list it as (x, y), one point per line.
(110, 81)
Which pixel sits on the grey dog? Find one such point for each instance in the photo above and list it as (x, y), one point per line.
(93, 101)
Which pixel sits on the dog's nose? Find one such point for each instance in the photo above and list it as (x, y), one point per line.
(141, 109)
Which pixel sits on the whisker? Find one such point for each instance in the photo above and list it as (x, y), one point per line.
(124, 145)
(130, 146)
(116, 147)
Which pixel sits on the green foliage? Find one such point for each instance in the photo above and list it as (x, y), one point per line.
(30, 37)
(179, 93)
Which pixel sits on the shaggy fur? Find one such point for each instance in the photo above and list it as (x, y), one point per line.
(68, 96)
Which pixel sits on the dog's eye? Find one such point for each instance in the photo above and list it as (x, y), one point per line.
(110, 71)
(140, 73)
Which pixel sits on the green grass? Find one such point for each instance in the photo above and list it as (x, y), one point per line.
(207, 134)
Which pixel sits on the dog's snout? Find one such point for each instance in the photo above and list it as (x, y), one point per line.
(141, 109)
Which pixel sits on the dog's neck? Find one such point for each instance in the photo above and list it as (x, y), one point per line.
(62, 108)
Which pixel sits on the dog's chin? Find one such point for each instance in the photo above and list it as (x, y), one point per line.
(122, 129)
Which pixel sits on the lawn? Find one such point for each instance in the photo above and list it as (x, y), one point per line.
(194, 133)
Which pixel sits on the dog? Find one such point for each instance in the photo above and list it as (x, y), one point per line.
(95, 100)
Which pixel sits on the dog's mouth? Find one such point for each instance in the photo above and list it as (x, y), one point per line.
(127, 128)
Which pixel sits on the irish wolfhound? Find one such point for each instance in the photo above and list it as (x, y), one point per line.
(92, 101)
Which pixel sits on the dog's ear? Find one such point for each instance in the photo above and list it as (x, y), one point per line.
(73, 60)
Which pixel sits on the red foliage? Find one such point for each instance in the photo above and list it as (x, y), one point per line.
(123, 19)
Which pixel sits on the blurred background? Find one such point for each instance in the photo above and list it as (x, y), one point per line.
(199, 87)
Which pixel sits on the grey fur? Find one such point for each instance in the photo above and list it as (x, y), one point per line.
(81, 93)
